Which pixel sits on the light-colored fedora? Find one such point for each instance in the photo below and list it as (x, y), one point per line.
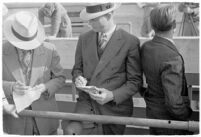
(23, 30)
(96, 10)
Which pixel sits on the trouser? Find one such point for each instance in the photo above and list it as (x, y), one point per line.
(31, 127)
(166, 131)
(89, 128)
(105, 129)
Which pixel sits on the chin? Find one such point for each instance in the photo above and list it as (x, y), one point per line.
(96, 30)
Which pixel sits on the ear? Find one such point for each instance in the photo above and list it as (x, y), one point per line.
(109, 16)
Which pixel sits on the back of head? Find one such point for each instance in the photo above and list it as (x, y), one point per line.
(162, 18)
(48, 5)
(48, 9)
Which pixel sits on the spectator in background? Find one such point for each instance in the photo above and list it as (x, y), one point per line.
(60, 21)
(29, 63)
(167, 95)
(146, 29)
(190, 21)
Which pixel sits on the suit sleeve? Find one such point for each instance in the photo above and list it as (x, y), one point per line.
(7, 88)
(78, 66)
(172, 81)
(133, 74)
(58, 78)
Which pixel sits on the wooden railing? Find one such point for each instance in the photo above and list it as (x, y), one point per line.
(185, 125)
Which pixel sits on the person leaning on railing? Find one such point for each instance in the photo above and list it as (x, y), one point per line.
(60, 21)
(166, 96)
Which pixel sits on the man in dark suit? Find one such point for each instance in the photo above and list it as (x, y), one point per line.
(108, 58)
(166, 96)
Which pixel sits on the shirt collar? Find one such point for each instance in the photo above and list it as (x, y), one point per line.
(167, 39)
(110, 32)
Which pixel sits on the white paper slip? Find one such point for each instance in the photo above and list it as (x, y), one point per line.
(89, 89)
(23, 101)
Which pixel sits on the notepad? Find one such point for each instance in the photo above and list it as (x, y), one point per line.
(90, 89)
(23, 101)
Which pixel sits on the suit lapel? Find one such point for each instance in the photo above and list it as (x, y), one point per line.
(37, 65)
(11, 60)
(91, 48)
(111, 50)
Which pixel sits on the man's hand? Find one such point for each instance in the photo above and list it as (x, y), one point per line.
(102, 95)
(80, 81)
(43, 89)
(10, 109)
(40, 88)
(20, 88)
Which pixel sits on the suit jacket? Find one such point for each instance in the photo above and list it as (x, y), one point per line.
(166, 96)
(45, 61)
(118, 70)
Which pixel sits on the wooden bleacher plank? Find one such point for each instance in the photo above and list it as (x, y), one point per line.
(192, 78)
(188, 47)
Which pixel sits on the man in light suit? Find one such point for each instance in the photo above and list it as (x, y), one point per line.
(30, 63)
(108, 58)
(166, 96)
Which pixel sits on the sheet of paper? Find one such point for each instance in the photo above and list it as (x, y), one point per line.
(89, 89)
(23, 101)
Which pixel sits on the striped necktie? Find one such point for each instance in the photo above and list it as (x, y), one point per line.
(102, 44)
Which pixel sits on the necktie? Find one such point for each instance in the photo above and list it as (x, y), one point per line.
(102, 43)
(27, 58)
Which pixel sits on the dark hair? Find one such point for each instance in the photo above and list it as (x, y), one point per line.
(162, 18)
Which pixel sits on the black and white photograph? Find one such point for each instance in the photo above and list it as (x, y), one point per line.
(100, 68)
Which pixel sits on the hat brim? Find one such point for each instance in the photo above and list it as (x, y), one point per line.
(25, 45)
(88, 16)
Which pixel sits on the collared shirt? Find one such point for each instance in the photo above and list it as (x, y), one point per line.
(108, 34)
(103, 39)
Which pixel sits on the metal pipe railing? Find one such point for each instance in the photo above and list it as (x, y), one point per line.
(185, 125)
